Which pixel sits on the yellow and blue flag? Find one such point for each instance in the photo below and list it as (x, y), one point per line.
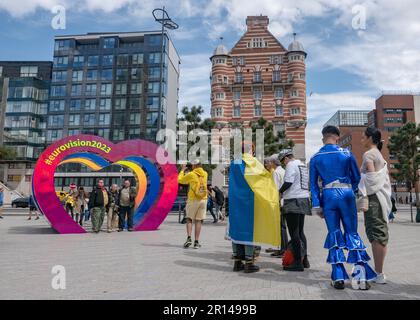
(254, 210)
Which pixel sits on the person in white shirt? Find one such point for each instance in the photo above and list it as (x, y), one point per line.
(295, 193)
(274, 166)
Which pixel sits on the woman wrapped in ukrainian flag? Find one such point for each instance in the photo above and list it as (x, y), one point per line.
(254, 217)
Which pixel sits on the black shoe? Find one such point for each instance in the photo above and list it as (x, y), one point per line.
(294, 267)
(250, 267)
(120, 230)
(306, 263)
(277, 254)
(130, 230)
(215, 221)
(339, 285)
(197, 245)
(238, 265)
(188, 243)
(1, 217)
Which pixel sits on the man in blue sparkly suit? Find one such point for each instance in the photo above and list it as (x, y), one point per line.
(339, 174)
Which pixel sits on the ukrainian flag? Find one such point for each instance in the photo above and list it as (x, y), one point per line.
(254, 211)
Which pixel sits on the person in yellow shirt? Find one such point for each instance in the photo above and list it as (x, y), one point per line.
(196, 201)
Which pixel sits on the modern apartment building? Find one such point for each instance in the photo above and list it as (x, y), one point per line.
(352, 124)
(393, 110)
(108, 84)
(24, 89)
(259, 77)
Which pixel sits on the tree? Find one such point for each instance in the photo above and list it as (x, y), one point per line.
(404, 144)
(7, 153)
(273, 143)
(193, 117)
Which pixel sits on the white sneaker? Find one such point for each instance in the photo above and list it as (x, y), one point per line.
(380, 278)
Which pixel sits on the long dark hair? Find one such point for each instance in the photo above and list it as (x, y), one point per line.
(375, 134)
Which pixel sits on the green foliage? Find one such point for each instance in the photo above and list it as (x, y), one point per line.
(404, 144)
(7, 153)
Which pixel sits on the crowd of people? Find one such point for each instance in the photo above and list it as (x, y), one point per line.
(117, 204)
(333, 188)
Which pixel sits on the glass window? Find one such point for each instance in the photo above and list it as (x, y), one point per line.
(77, 75)
(279, 111)
(236, 112)
(237, 95)
(278, 93)
(76, 90)
(257, 94)
(238, 77)
(118, 135)
(59, 76)
(90, 104)
(74, 119)
(153, 87)
(134, 103)
(153, 102)
(120, 104)
(119, 119)
(109, 43)
(295, 111)
(137, 58)
(78, 61)
(61, 62)
(276, 76)
(122, 74)
(56, 105)
(105, 104)
(90, 90)
(108, 60)
(134, 133)
(257, 76)
(89, 119)
(104, 133)
(73, 132)
(104, 119)
(57, 91)
(135, 118)
(154, 57)
(53, 135)
(136, 73)
(122, 60)
(154, 73)
(56, 121)
(75, 105)
(61, 45)
(93, 61)
(106, 74)
(294, 93)
(257, 111)
(28, 71)
(106, 89)
(92, 75)
(121, 88)
(136, 88)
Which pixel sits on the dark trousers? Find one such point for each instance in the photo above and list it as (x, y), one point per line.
(284, 237)
(295, 224)
(125, 212)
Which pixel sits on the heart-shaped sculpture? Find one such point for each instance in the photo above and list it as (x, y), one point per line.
(157, 184)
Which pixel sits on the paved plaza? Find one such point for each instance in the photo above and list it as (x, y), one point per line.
(153, 265)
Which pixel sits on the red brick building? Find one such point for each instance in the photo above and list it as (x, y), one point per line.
(259, 77)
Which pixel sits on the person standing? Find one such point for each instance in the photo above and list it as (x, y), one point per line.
(219, 202)
(71, 199)
(98, 204)
(375, 187)
(112, 216)
(1, 201)
(295, 192)
(278, 175)
(337, 170)
(126, 201)
(210, 203)
(32, 208)
(196, 200)
(80, 205)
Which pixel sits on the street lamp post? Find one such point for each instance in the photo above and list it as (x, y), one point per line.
(167, 23)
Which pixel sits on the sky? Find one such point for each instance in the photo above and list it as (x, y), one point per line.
(356, 49)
